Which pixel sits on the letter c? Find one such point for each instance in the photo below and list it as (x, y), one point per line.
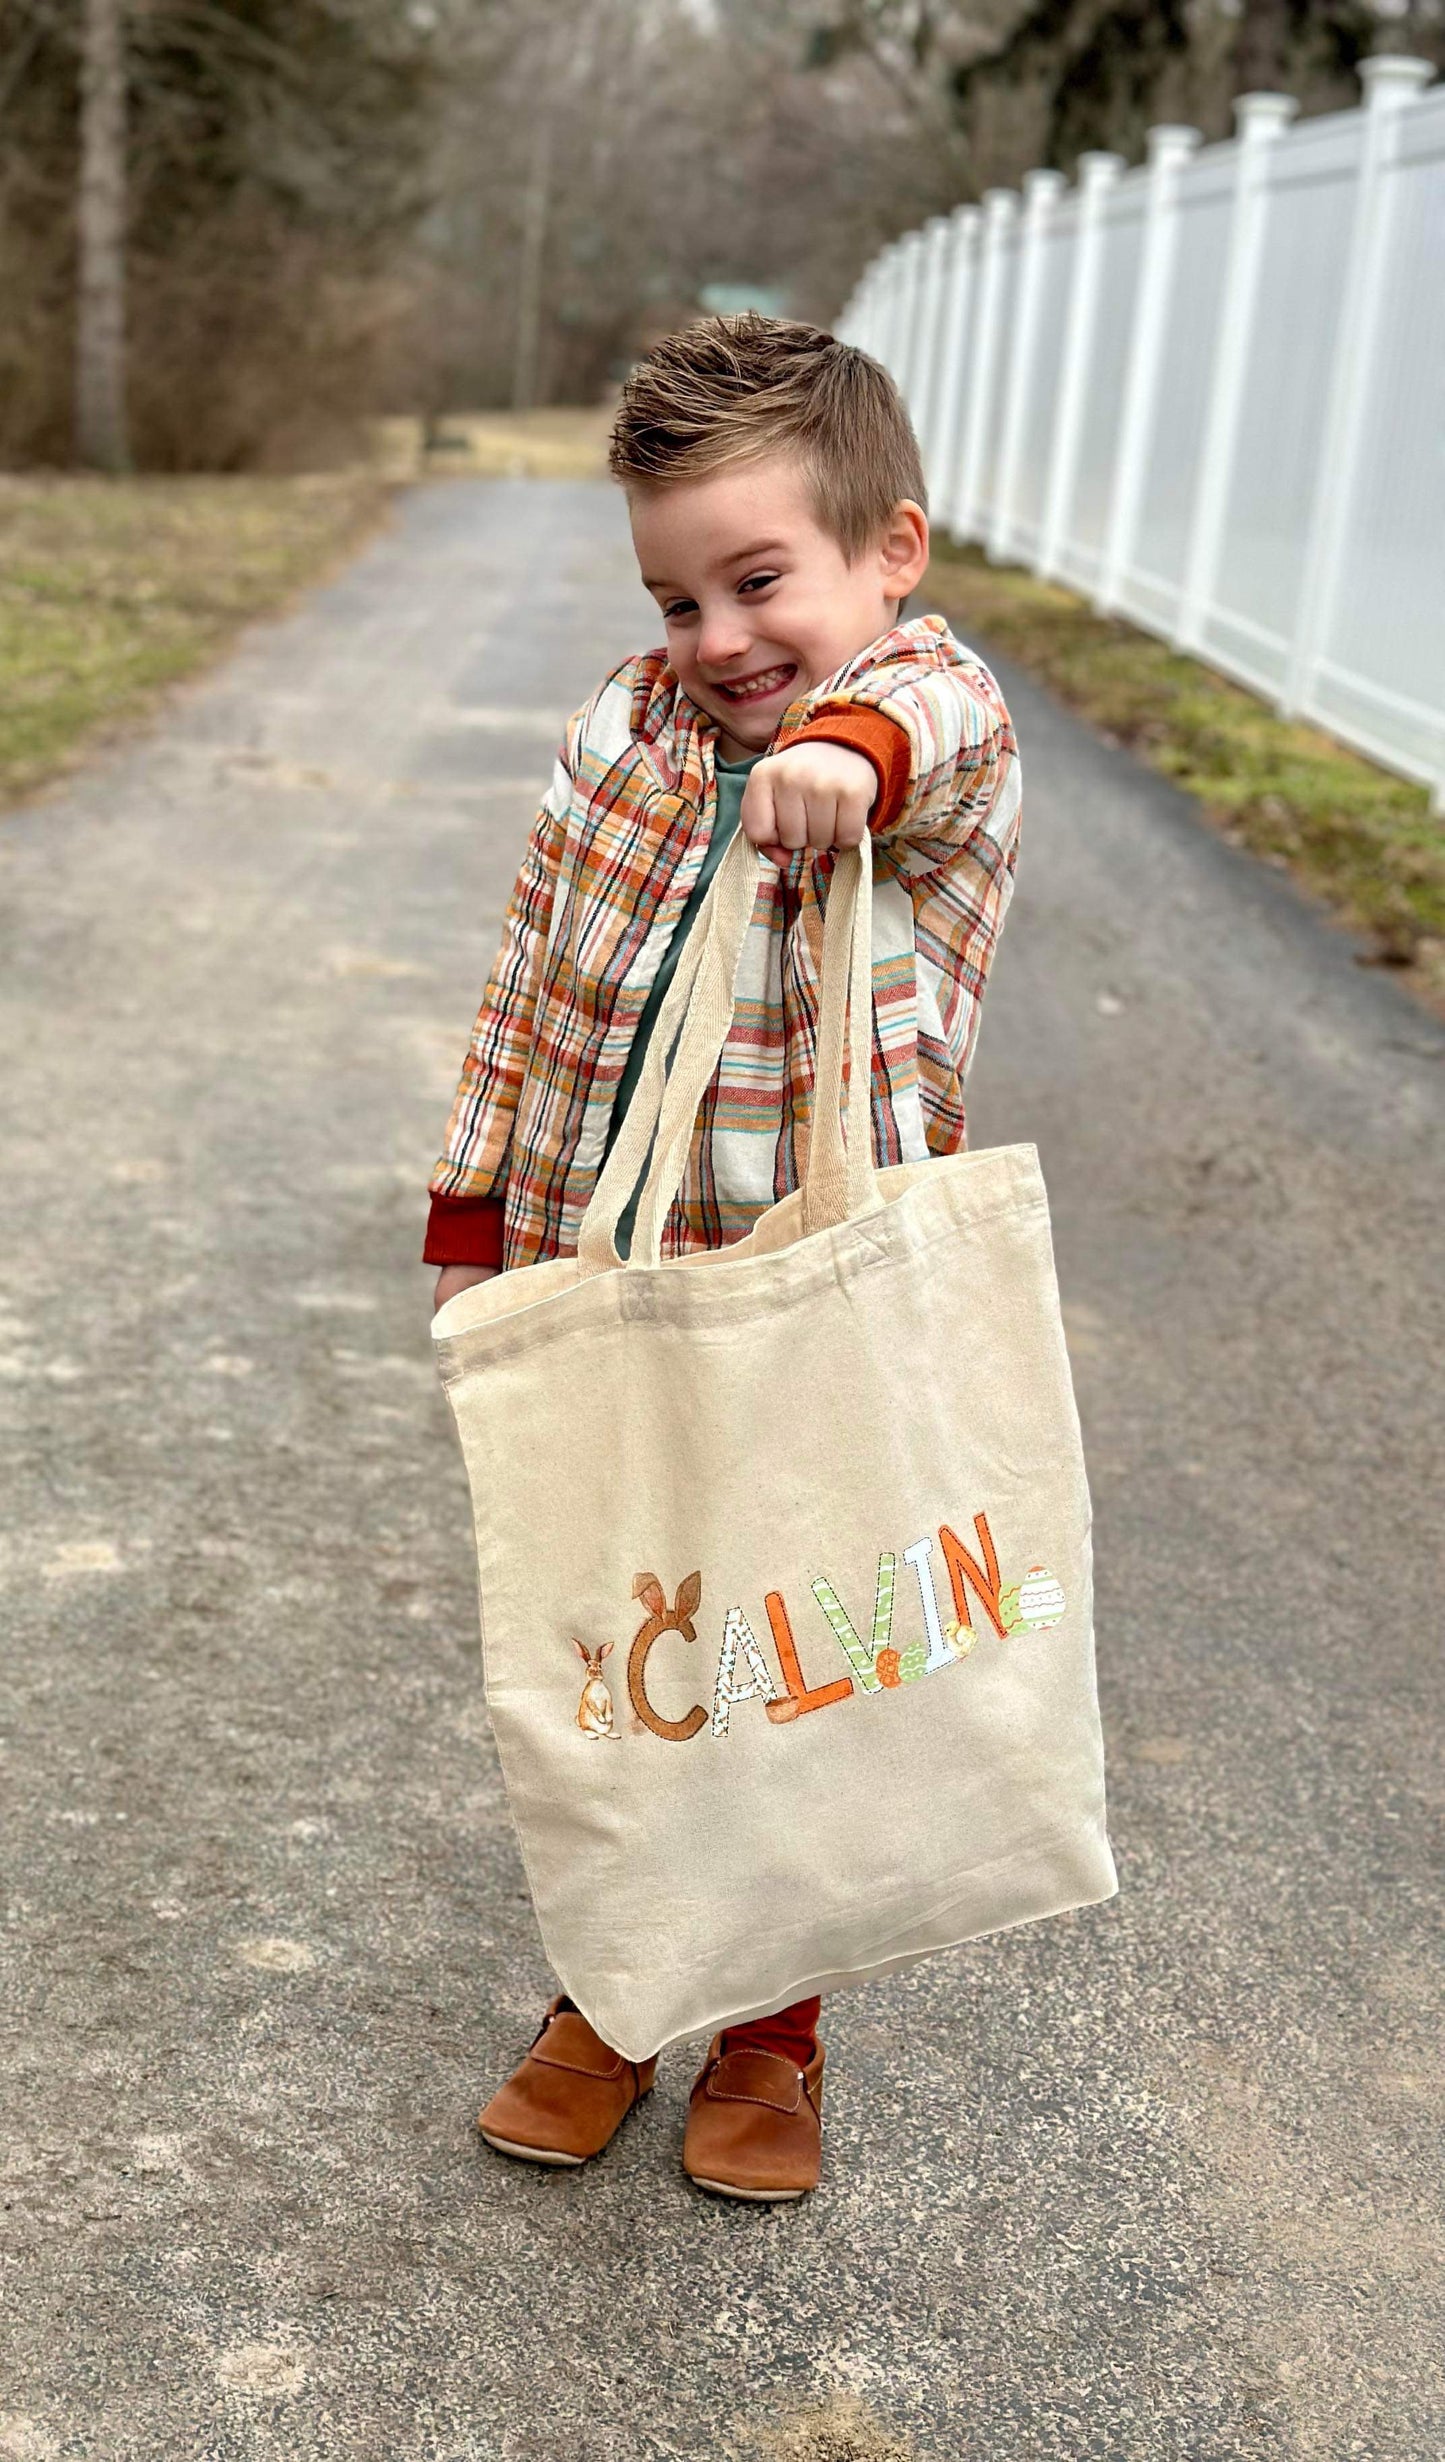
(672, 1730)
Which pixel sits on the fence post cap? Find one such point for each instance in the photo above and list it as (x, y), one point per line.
(1097, 167)
(1262, 114)
(999, 203)
(1043, 183)
(1391, 77)
(1171, 142)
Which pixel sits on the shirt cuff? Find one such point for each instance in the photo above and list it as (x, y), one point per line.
(881, 740)
(464, 1231)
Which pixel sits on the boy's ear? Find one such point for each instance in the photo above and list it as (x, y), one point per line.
(903, 549)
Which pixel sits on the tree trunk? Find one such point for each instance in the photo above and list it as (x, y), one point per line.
(535, 212)
(101, 440)
(1263, 47)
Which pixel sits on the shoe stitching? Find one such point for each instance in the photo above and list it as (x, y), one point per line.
(550, 2060)
(800, 2089)
(785, 2111)
(570, 2068)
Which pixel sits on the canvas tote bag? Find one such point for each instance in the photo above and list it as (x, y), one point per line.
(783, 1548)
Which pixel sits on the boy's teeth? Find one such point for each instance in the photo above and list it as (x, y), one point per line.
(755, 685)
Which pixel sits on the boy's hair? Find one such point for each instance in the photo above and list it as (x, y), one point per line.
(733, 388)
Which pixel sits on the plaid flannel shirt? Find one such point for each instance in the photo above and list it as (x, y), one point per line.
(616, 848)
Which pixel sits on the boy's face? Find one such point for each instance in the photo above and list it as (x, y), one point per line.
(760, 603)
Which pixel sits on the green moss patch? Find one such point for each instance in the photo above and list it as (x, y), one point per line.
(1363, 841)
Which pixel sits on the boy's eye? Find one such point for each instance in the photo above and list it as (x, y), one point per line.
(674, 607)
(757, 581)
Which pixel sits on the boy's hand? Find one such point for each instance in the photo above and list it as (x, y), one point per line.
(454, 1278)
(815, 794)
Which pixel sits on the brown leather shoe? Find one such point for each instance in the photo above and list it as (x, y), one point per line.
(755, 2125)
(570, 2095)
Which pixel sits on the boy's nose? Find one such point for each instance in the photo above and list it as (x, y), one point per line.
(721, 641)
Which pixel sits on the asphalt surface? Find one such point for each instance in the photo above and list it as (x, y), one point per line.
(1157, 2183)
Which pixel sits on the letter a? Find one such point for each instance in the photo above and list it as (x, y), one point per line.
(738, 1635)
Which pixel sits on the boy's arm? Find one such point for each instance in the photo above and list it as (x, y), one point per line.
(941, 746)
(468, 1185)
(947, 811)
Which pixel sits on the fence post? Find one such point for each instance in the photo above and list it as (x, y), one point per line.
(940, 456)
(900, 286)
(905, 355)
(855, 322)
(1169, 150)
(1097, 175)
(890, 290)
(1041, 193)
(928, 313)
(880, 302)
(1389, 80)
(1000, 205)
(876, 310)
(1260, 120)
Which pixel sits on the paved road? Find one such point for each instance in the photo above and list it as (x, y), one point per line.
(1149, 2185)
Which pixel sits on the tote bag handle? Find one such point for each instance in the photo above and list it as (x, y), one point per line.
(716, 943)
(839, 1178)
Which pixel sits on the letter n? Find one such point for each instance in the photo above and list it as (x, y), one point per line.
(965, 1572)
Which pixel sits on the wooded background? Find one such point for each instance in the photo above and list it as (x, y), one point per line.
(231, 230)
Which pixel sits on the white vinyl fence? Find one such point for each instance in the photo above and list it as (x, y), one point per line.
(1210, 393)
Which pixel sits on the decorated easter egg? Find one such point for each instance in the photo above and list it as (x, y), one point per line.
(1035, 1603)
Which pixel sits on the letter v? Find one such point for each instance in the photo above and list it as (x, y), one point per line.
(861, 1659)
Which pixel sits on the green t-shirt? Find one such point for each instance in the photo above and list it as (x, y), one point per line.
(732, 777)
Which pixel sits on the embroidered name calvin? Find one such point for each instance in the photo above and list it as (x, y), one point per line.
(878, 1659)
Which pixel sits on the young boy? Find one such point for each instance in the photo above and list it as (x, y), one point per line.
(777, 510)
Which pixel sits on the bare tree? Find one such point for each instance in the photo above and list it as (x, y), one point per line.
(101, 436)
(532, 255)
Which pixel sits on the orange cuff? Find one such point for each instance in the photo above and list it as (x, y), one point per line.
(880, 740)
(464, 1231)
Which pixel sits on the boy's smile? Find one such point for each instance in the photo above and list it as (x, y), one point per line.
(760, 602)
(745, 690)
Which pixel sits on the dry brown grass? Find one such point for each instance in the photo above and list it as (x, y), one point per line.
(501, 444)
(111, 589)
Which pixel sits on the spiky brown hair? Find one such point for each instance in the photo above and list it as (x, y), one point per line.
(736, 388)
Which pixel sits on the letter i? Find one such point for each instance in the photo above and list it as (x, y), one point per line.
(939, 1653)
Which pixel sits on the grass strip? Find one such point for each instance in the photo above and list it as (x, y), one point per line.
(111, 589)
(1364, 842)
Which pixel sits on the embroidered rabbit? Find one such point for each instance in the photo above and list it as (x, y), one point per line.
(594, 1710)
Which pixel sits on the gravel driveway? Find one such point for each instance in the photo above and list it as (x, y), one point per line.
(1158, 2183)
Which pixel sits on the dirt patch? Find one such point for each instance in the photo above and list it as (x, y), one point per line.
(844, 2431)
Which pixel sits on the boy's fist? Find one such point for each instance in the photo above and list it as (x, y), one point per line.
(814, 794)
